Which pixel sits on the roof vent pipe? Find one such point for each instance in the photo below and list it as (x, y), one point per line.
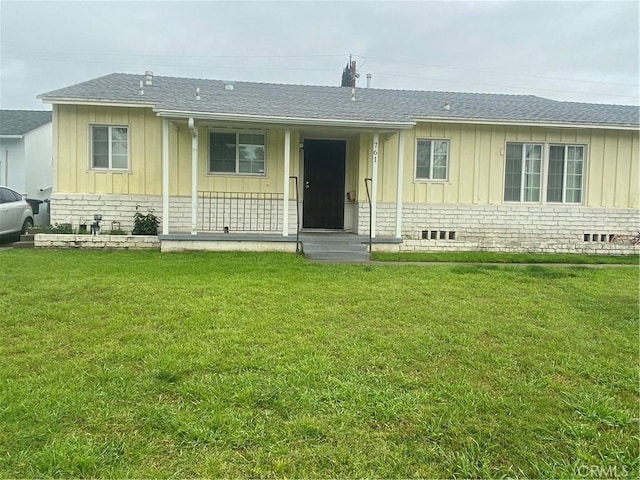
(353, 94)
(148, 77)
(141, 92)
(368, 80)
(447, 104)
(197, 93)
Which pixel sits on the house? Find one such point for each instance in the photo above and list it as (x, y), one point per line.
(418, 170)
(25, 156)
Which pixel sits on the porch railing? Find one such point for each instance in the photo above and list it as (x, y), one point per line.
(295, 182)
(240, 211)
(367, 182)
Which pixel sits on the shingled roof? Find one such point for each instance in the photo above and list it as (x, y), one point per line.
(290, 102)
(19, 122)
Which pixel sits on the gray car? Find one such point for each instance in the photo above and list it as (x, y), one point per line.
(16, 215)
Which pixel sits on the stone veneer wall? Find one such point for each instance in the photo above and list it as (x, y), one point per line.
(80, 208)
(506, 228)
(108, 242)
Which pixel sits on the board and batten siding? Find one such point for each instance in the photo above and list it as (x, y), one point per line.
(477, 163)
(72, 152)
(476, 160)
(144, 177)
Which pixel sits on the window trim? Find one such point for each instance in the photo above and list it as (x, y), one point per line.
(237, 132)
(544, 172)
(566, 146)
(417, 179)
(110, 168)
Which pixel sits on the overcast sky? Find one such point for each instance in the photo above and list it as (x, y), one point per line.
(574, 50)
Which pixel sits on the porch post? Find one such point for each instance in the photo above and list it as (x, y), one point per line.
(374, 184)
(194, 176)
(287, 154)
(399, 186)
(165, 176)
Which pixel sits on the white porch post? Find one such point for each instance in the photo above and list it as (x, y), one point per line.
(287, 154)
(194, 176)
(374, 184)
(399, 184)
(165, 176)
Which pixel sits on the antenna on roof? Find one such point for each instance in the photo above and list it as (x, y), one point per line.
(354, 75)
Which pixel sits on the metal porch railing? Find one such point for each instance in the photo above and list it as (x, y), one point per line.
(297, 214)
(367, 181)
(240, 211)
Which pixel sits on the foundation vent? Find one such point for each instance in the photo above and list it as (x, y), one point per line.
(438, 235)
(600, 237)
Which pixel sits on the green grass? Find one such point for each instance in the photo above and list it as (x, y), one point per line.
(141, 364)
(495, 257)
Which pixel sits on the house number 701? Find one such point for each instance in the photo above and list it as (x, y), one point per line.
(375, 152)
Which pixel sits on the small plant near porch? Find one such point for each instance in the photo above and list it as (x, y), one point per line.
(145, 224)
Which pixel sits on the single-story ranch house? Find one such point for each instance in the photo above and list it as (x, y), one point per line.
(419, 170)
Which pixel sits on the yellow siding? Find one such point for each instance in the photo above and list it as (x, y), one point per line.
(476, 159)
(476, 163)
(145, 150)
(73, 150)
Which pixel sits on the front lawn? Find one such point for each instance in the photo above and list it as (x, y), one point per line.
(497, 257)
(142, 364)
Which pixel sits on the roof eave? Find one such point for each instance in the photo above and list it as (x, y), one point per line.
(84, 101)
(304, 121)
(526, 123)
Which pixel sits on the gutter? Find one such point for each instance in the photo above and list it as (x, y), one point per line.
(527, 123)
(106, 103)
(12, 136)
(369, 124)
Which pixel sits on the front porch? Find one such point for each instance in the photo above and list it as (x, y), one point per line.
(325, 246)
(306, 177)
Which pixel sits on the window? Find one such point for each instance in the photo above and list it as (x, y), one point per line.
(564, 181)
(237, 152)
(432, 159)
(110, 147)
(524, 163)
(524, 172)
(7, 196)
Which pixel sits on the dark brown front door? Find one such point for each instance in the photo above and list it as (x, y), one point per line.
(323, 200)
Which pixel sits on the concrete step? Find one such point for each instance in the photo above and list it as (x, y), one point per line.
(333, 247)
(28, 237)
(22, 244)
(338, 257)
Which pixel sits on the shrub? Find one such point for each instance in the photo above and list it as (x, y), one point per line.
(145, 224)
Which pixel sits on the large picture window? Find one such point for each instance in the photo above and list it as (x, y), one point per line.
(237, 152)
(432, 159)
(524, 166)
(109, 147)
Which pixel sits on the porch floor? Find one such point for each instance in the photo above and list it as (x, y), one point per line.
(317, 245)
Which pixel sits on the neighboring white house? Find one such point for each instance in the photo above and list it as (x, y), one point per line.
(25, 156)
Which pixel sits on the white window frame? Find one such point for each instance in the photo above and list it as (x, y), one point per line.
(566, 146)
(237, 133)
(415, 160)
(110, 167)
(544, 172)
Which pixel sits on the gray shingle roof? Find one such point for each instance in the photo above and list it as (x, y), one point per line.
(19, 122)
(170, 94)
